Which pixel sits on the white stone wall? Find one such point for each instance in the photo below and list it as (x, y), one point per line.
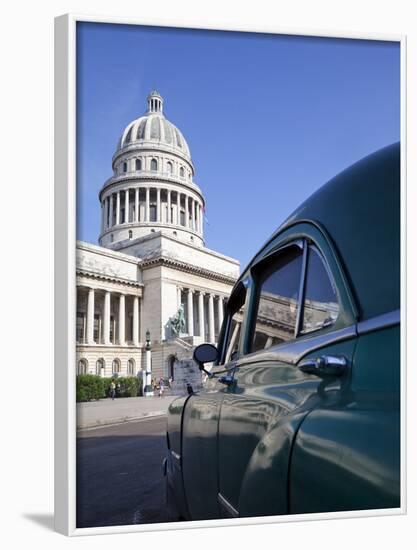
(157, 245)
(101, 261)
(151, 304)
(108, 353)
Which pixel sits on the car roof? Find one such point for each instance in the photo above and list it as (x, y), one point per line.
(360, 211)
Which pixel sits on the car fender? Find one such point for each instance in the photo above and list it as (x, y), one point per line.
(264, 488)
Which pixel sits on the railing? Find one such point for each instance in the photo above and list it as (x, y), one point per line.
(147, 174)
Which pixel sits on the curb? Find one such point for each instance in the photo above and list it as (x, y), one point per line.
(122, 420)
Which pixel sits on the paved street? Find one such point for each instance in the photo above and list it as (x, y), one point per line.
(119, 475)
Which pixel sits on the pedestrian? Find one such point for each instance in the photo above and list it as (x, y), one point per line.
(161, 387)
(170, 380)
(112, 389)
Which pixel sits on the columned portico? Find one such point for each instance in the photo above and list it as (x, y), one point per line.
(135, 336)
(220, 311)
(201, 314)
(122, 313)
(190, 315)
(211, 318)
(90, 316)
(106, 318)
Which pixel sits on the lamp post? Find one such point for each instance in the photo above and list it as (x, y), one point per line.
(148, 390)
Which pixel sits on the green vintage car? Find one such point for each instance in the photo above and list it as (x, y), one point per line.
(301, 410)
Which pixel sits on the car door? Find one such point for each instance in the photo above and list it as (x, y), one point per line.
(299, 309)
(352, 443)
(201, 418)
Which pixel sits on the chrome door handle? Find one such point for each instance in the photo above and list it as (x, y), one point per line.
(326, 365)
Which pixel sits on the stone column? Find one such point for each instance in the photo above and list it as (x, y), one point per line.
(147, 204)
(195, 223)
(137, 204)
(111, 211)
(220, 311)
(106, 318)
(211, 318)
(169, 219)
(179, 289)
(135, 320)
(201, 314)
(158, 205)
(186, 212)
(127, 205)
(107, 218)
(122, 319)
(178, 208)
(190, 312)
(118, 208)
(90, 316)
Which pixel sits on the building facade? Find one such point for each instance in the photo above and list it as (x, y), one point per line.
(151, 266)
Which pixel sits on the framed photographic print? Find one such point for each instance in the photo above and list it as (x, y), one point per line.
(229, 293)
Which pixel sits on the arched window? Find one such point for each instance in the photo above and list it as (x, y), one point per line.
(169, 167)
(82, 366)
(116, 367)
(131, 367)
(138, 164)
(182, 172)
(125, 167)
(100, 367)
(154, 165)
(130, 233)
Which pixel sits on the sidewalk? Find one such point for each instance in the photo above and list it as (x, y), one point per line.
(122, 409)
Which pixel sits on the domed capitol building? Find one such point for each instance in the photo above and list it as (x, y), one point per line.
(151, 269)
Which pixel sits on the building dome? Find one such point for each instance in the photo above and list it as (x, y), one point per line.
(152, 188)
(153, 128)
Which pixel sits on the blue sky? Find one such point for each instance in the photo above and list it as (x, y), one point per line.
(268, 118)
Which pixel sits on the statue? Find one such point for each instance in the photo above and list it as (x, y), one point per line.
(177, 323)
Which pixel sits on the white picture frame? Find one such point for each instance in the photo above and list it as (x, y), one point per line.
(65, 288)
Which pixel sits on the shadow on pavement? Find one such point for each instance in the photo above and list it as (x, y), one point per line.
(119, 475)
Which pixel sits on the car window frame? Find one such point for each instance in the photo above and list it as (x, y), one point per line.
(312, 246)
(226, 327)
(315, 234)
(256, 288)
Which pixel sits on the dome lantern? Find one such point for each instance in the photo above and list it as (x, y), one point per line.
(155, 102)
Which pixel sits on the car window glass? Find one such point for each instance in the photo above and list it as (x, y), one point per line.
(320, 299)
(236, 307)
(278, 285)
